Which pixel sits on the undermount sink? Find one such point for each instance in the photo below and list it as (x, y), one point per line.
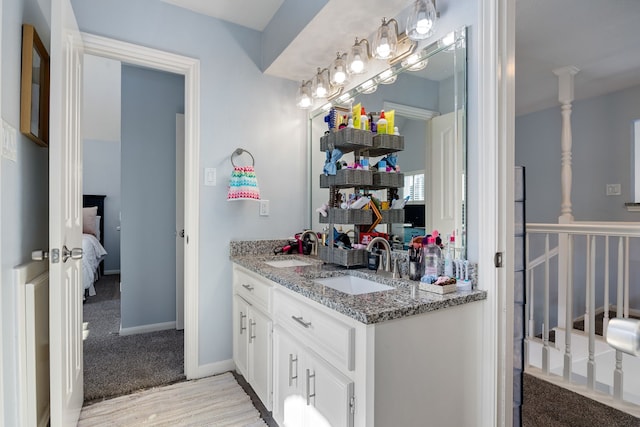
(284, 263)
(353, 285)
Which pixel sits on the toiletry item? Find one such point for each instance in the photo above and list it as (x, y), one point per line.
(448, 257)
(431, 261)
(396, 131)
(350, 123)
(364, 119)
(355, 115)
(373, 124)
(390, 116)
(382, 123)
(373, 260)
(382, 166)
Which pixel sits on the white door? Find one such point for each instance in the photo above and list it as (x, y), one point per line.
(65, 216)
(445, 171)
(180, 221)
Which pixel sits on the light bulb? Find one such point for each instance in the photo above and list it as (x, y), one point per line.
(357, 66)
(339, 77)
(383, 50)
(423, 26)
(386, 39)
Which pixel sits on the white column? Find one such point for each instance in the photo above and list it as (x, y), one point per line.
(565, 97)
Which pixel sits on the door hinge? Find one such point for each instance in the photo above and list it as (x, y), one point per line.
(497, 259)
(352, 404)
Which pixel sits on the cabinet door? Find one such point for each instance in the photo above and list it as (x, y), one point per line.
(328, 393)
(240, 335)
(259, 329)
(288, 400)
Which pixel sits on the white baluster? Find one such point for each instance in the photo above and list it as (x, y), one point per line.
(605, 319)
(617, 373)
(626, 278)
(587, 326)
(591, 292)
(568, 312)
(545, 326)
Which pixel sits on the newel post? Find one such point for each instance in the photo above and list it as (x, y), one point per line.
(565, 97)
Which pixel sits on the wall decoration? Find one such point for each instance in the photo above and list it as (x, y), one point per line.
(34, 90)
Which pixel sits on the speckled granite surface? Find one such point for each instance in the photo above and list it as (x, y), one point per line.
(405, 300)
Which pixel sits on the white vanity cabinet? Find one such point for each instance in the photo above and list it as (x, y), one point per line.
(307, 390)
(252, 328)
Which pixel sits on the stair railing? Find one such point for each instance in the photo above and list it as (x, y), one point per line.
(544, 246)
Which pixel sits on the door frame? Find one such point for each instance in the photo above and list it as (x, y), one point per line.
(190, 68)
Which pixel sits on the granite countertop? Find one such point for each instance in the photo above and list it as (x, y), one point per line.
(405, 300)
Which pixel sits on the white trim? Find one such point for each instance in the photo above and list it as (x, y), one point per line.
(410, 112)
(190, 68)
(3, 343)
(215, 368)
(494, 190)
(147, 328)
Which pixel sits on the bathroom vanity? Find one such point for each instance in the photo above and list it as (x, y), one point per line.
(318, 356)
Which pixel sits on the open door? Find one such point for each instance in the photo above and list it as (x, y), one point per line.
(65, 217)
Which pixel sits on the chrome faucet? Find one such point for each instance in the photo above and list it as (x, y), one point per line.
(387, 247)
(314, 250)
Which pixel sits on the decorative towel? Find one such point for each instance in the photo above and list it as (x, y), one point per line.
(243, 184)
(333, 156)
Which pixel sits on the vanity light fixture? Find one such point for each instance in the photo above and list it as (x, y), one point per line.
(368, 87)
(384, 45)
(320, 87)
(414, 63)
(387, 77)
(303, 99)
(422, 21)
(339, 73)
(358, 57)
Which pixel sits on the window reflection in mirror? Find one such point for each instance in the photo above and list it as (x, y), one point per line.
(430, 112)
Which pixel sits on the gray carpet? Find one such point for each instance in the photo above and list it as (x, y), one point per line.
(115, 365)
(548, 405)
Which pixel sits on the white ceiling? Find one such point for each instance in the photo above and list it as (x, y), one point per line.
(601, 38)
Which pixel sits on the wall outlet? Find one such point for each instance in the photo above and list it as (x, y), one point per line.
(8, 137)
(613, 190)
(264, 208)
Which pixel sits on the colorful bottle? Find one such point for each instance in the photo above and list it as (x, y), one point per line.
(448, 257)
(382, 123)
(364, 119)
(431, 261)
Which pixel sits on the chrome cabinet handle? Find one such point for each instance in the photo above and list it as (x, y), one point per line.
(248, 287)
(310, 395)
(292, 359)
(301, 321)
(251, 329)
(242, 317)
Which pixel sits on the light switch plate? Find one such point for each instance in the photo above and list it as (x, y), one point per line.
(613, 190)
(210, 176)
(8, 137)
(264, 208)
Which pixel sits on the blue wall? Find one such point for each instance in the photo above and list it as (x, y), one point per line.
(240, 107)
(150, 101)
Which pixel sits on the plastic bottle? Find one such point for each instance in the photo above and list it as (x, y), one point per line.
(431, 261)
(364, 119)
(382, 123)
(448, 257)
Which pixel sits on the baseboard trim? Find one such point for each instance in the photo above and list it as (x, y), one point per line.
(213, 369)
(147, 328)
(111, 272)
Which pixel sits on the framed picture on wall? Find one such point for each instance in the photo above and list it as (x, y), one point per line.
(34, 88)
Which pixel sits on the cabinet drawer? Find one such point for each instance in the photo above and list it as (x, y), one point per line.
(255, 290)
(324, 334)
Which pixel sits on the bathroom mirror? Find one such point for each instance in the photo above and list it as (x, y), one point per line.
(430, 112)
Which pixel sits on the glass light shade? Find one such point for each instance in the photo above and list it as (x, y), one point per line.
(358, 57)
(387, 77)
(414, 63)
(422, 20)
(384, 46)
(339, 74)
(320, 84)
(303, 99)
